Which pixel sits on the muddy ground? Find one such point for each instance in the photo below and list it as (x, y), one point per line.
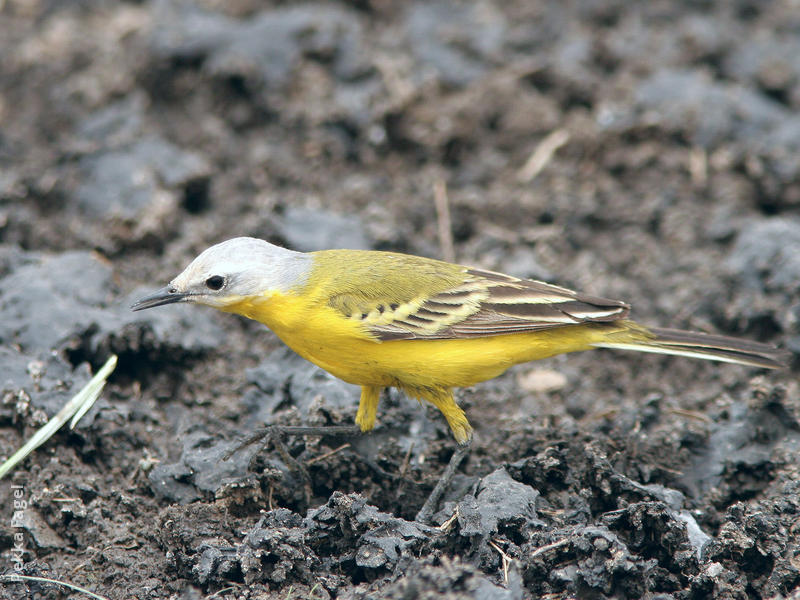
(648, 152)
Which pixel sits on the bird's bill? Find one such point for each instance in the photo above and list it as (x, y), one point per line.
(166, 295)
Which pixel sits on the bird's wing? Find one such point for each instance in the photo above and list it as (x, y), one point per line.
(483, 304)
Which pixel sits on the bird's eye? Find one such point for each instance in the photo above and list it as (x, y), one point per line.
(215, 282)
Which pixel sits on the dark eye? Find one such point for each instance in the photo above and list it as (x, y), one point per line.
(215, 282)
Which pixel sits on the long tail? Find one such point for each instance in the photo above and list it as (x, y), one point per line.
(709, 347)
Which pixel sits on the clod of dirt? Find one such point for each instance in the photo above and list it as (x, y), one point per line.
(44, 537)
(116, 125)
(347, 530)
(307, 230)
(500, 504)
(261, 51)
(739, 112)
(758, 538)
(344, 535)
(71, 288)
(138, 188)
(457, 41)
(739, 455)
(129, 185)
(450, 580)
(202, 469)
(761, 132)
(771, 63)
(679, 519)
(275, 550)
(200, 540)
(766, 255)
(75, 289)
(31, 382)
(271, 552)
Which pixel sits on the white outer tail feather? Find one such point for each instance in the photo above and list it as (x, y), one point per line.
(708, 355)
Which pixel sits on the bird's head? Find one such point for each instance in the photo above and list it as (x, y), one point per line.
(233, 271)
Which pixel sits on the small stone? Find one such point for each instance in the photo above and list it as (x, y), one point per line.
(541, 380)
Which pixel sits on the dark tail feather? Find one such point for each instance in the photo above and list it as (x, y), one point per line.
(709, 347)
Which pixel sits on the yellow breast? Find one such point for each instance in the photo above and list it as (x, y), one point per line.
(343, 347)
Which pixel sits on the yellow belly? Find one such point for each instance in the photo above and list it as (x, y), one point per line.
(342, 347)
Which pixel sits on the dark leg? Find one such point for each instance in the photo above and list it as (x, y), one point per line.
(265, 432)
(276, 437)
(426, 512)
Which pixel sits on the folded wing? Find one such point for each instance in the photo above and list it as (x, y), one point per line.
(483, 304)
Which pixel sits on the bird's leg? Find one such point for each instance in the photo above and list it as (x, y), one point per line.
(443, 400)
(426, 512)
(368, 407)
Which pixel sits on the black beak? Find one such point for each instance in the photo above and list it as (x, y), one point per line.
(166, 295)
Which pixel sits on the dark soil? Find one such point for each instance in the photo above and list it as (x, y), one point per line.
(135, 134)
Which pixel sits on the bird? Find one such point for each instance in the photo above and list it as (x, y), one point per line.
(384, 319)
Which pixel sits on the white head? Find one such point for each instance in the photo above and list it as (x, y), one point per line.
(231, 271)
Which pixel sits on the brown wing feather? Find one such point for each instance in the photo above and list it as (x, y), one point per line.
(488, 304)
